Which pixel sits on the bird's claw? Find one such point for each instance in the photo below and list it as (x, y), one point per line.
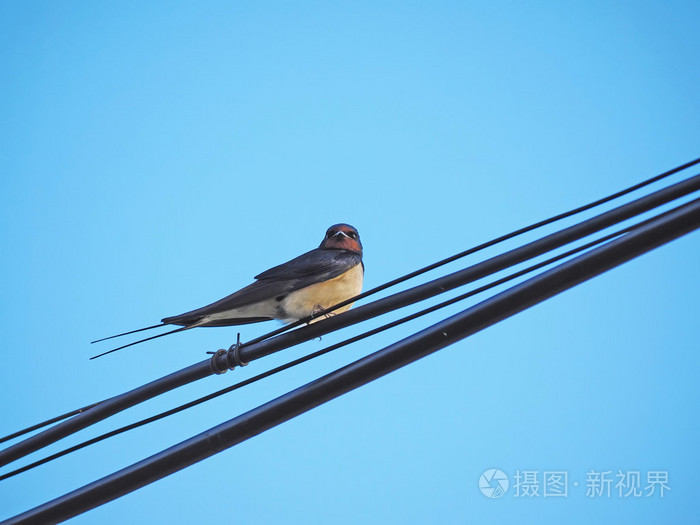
(316, 312)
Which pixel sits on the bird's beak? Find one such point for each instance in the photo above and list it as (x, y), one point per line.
(342, 233)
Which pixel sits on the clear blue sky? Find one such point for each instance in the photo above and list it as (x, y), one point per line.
(156, 155)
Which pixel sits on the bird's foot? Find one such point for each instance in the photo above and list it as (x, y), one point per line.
(316, 314)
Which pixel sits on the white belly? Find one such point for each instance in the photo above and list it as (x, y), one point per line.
(304, 302)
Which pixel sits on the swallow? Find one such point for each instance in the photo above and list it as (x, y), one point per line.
(302, 287)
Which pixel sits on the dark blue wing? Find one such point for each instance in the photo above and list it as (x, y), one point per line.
(324, 264)
(313, 267)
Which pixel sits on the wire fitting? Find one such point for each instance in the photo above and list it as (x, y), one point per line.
(214, 362)
(234, 355)
(233, 358)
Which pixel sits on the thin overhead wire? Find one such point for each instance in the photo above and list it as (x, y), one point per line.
(46, 423)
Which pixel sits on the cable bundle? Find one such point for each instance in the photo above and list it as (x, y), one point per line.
(581, 263)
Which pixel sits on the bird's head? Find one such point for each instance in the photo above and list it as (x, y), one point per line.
(342, 237)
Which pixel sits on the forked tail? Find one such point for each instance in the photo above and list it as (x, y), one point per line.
(140, 340)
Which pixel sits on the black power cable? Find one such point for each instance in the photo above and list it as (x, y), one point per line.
(657, 232)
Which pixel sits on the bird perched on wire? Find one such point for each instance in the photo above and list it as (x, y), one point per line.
(297, 289)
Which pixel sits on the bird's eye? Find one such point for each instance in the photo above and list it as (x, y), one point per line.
(353, 235)
(330, 233)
